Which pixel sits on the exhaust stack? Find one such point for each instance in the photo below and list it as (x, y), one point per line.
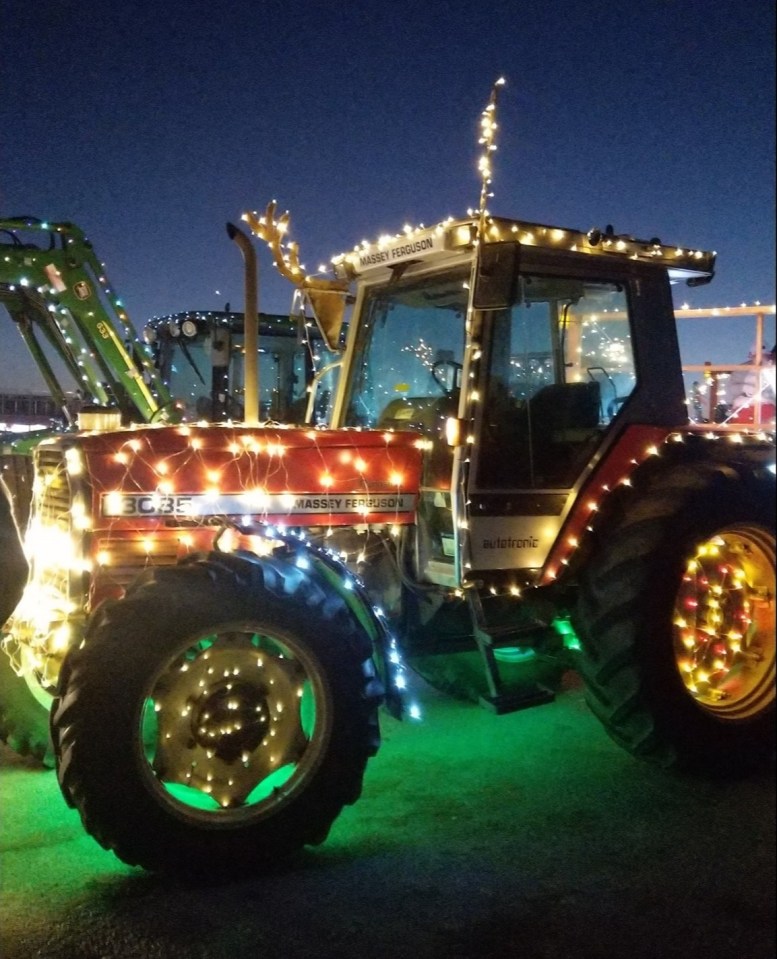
(250, 325)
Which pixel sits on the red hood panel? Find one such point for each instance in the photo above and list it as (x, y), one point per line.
(288, 475)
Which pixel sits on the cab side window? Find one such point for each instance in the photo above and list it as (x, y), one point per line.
(559, 366)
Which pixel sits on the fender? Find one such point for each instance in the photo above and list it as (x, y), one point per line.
(334, 576)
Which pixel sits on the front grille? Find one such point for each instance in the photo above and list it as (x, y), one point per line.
(52, 496)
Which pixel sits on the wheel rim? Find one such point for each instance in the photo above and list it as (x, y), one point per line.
(234, 724)
(724, 623)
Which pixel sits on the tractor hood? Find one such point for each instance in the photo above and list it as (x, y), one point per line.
(190, 475)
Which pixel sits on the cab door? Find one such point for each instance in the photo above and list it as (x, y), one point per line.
(556, 371)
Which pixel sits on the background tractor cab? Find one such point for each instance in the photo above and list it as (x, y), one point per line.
(101, 375)
(189, 365)
(201, 358)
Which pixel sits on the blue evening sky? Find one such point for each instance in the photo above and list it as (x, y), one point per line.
(151, 124)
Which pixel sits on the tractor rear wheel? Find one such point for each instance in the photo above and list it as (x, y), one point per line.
(676, 622)
(217, 718)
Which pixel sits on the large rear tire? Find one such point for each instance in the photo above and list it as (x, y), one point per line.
(676, 622)
(218, 718)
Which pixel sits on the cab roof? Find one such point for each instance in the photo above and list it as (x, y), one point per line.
(683, 263)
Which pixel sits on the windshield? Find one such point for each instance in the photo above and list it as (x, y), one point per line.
(410, 351)
(192, 363)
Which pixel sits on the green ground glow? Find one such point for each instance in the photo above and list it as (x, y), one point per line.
(476, 835)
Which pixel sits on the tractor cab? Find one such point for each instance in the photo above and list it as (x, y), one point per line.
(200, 356)
(521, 358)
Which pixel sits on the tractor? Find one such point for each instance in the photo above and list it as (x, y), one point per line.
(217, 612)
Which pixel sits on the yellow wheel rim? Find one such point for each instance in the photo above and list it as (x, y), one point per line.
(724, 623)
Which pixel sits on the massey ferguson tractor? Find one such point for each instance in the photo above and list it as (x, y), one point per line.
(215, 612)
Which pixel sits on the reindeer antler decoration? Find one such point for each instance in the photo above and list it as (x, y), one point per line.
(326, 297)
(272, 231)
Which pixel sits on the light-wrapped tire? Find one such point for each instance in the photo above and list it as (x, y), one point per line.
(218, 718)
(676, 620)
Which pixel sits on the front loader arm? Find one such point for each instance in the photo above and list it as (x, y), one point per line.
(57, 284)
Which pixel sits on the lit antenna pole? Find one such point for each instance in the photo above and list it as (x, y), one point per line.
(488, 128)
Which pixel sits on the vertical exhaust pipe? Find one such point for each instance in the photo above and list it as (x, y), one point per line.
(250, 325)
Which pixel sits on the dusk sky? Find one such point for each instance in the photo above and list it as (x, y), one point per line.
(151, 124)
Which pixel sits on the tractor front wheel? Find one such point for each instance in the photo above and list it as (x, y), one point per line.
(218, 718)
(676, 622)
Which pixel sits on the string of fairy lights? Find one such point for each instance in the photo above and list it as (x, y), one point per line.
(487, 139)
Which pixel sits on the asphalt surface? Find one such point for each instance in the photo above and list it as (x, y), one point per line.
(529, 835)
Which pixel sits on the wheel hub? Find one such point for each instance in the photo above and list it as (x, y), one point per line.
(232, 718)
(225, 718)
(724, 623)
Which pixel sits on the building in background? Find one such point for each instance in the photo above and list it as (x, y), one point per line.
(22, 412)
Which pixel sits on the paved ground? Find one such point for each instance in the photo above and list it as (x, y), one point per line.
(527, 836)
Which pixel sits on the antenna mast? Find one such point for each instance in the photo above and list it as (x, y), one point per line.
(488, 128)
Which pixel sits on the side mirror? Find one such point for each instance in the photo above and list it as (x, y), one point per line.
(496, 278)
